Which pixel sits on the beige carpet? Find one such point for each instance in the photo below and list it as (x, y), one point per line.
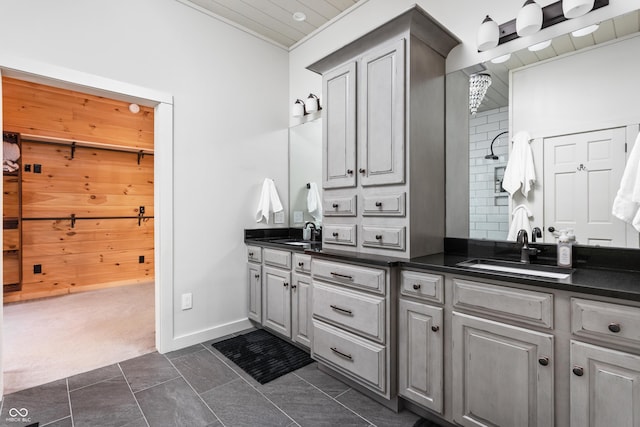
(53, 338)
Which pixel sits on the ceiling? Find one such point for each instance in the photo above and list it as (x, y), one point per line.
(273, 19)
(498, 93)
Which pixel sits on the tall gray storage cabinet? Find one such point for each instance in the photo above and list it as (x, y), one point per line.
(383, 139)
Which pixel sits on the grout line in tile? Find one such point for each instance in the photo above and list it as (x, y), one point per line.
(59, 419)
(341, 394)
(89, 385)
(69, 400)
(144, 417)
(160, 383)
(252, 386)
(197, 394)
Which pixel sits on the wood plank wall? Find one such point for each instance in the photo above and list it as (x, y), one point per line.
(57, 256)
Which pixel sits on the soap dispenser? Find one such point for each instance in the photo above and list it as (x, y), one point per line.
(565, 252)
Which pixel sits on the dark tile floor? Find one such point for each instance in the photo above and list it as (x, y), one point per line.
(195, 386)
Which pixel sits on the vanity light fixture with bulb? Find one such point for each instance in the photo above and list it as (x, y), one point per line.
(309, 106)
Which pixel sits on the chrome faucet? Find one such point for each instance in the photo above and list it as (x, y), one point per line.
(525, 251)
(314, 230)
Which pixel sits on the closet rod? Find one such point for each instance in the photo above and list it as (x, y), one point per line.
(78, 144)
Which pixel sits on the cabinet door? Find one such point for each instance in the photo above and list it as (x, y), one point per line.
(502, 374)
(420, 362)
(339, 127)
(381, 115)
(605, 387)
(301, 309)
(276, 300)
(254, 291)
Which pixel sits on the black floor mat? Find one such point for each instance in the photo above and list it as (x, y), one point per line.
(262, 355)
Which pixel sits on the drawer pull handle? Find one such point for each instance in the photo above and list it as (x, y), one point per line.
(342, 276)
(435, 328)
(378, 204)
(578, 371)
(341, 310)
(544, 361)
(335, 234)
(339, 353)
(614, 327)
(378, 236)
(301, 264)
(416, 286)
(335, 206)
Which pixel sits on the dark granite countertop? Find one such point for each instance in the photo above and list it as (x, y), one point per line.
(606, 272)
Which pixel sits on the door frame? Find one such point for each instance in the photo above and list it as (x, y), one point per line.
(162, 103)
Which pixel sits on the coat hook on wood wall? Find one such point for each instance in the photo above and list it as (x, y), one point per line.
(73, 220)
(73, 149)
(140, 155)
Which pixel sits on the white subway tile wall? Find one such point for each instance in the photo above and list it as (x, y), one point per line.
(488, 209)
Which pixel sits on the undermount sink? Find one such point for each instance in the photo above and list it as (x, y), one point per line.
(297, 242)
(517, 268)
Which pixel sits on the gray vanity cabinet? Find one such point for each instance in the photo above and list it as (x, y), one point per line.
(301, 300)
(383, 139)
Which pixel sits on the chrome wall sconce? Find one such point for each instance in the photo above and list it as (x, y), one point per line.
(531, 19)
(302, 108)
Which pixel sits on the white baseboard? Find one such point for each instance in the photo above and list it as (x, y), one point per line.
(198, 337)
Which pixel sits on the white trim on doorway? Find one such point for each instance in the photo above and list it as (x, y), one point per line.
(163, 166)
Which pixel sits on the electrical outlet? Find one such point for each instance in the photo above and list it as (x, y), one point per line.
(187, 301)
(298, 217)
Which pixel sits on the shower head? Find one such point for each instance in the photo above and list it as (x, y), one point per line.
(493, 156)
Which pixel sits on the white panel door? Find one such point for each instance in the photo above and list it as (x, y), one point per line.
(381, 127)
(301, 309)
(502, 374)
(582, 173)
(254, 291)
(339, 127)
(276, 303)
(605, 387)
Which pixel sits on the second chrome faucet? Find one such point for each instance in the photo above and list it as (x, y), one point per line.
(526, 252)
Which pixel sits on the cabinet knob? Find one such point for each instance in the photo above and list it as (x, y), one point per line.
(578, 371)
(435, 328)
(614, 327)
(378, 204)
(350, 171)
(544, 361)
(301, 264)
(335, 206)
(251, 254)
(285, 284)
(257, 276)
(416, 286)
(293, 286)
(362, 170)
(335, 234)
(378, 236)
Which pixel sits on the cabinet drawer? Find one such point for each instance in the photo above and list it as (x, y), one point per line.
(254, 253)
(606, 321)
(428, 287)
(534, 308)
(384, 205)
(383, 237)
(340, 206)
(10, 239)
(353, 310)
(277, 258)
(370, 279)
(350, 354)
(302, 263)
(339, 234)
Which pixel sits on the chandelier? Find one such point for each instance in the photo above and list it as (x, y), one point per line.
(478, 85)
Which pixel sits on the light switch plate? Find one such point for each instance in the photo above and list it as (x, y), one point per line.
(187, 301)
(297, 217)
(278, 217)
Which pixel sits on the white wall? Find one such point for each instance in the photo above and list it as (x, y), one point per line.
(223, 147)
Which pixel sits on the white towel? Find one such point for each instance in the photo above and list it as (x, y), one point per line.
(519, 221)
(520, 172)
(314, 203)
(269, 201)
(626, 205)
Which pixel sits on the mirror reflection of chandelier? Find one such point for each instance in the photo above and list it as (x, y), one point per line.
(478, 85)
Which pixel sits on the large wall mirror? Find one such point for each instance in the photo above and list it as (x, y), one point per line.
(578, 100)
(305, 168)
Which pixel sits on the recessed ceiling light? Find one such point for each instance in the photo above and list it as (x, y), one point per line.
(501, 59)
(299, 16)
(539, 46)
(585, 31)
